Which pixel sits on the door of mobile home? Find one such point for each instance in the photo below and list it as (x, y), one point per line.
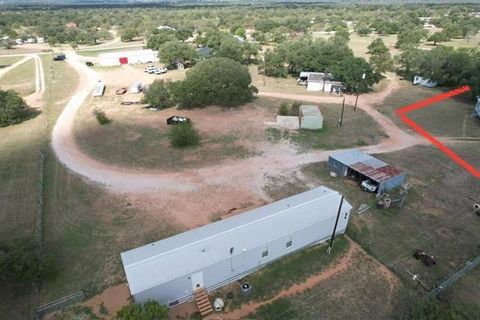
(197, 280)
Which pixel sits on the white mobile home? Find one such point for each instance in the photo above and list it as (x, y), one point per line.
(417, 80)
(170, 270)
(127, 57)
(319, 81)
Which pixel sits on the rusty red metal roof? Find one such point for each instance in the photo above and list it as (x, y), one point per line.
(376, 170)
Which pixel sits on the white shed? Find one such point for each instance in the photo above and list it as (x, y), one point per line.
(319, 81)
(310, 117)
(418, 80)
(171, 270)
(127, 57)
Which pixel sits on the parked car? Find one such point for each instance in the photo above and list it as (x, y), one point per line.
(121, 91)
(149, 68)
(369, 186)
(160, 70)
(177, 120)
(59, 57)
(89, 64)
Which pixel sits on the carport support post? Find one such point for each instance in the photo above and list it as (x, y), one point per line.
(335, 227)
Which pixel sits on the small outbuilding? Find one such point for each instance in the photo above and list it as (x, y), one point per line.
(171, 270)
(99, 89)
(136, 87)
(363, 166)
(127, 57)
(320, 81)
(420, 81)
(310, 117)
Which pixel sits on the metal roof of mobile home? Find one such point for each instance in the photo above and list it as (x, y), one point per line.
(127, 53)
(191, 251)
(369, 166)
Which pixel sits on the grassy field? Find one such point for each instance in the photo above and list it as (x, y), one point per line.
(139, 138)
(436, 217)
(358, 129)
(20, 79)
(282, 274)
(449, 118)
(7, 61)
(346, 295)
(95, 53)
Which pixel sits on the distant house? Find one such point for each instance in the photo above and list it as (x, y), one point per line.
(32, 40)
(174, 269)
(19, 41)
(40, 40)
(127, 57)
(239, 39)
(477, 107)
(418, 80)
(168, 28)
(310, 117)
(319, 81)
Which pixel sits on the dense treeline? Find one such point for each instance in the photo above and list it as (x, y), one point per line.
(270, 24)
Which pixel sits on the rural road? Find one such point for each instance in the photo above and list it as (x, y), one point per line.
(279, 161)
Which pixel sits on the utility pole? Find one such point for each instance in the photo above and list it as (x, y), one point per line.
(264, 71)
(335, 227)
(324, 78)
(341, 115)
(356, 90)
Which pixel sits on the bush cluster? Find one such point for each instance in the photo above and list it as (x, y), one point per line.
(183, 135)
(101, 116)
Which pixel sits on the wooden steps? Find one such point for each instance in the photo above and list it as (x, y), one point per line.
(203, 302)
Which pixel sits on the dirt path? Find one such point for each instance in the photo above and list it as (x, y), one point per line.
(340, 266)
(246, 172)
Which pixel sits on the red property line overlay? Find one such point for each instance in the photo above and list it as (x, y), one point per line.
(402, 113)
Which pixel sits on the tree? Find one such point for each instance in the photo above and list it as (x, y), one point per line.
(219, 81)
(172, 52)
(350, 72)
(341, 36)
(250, 50)
(364, 30)
(158, 95)
(128, 34)
(377, 47)
(22, 263)
(452, 31)
(230, 48)
(265, 25)
(274, 65)
(438, 37)
(155, 41)
(410, 36)
(240, 32)
(150, 310)
(183, 135)
(12, 108)
(381, 62)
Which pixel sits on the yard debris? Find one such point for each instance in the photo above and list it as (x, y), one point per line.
(121, 91)
(363, 207)
(429, 261)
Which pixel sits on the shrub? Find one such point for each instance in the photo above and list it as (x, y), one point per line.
(101, 116)
(150, 310)
(158, 95)
(284, 110)
(183, 135)
(295, 109)
(12, 108)
(21, 262)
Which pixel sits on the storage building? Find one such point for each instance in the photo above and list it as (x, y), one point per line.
(172, 269)
(319, 81)
(310, 117)
(417, 80)
(364, 166)
(127, 57)
(99, 89)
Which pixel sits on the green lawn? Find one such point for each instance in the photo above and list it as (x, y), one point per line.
(20, 79)
(284, 273)
(358, 129)
(436, 217)
(449, 118)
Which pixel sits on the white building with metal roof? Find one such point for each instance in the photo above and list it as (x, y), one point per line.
(117, 58)
(170, 270)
